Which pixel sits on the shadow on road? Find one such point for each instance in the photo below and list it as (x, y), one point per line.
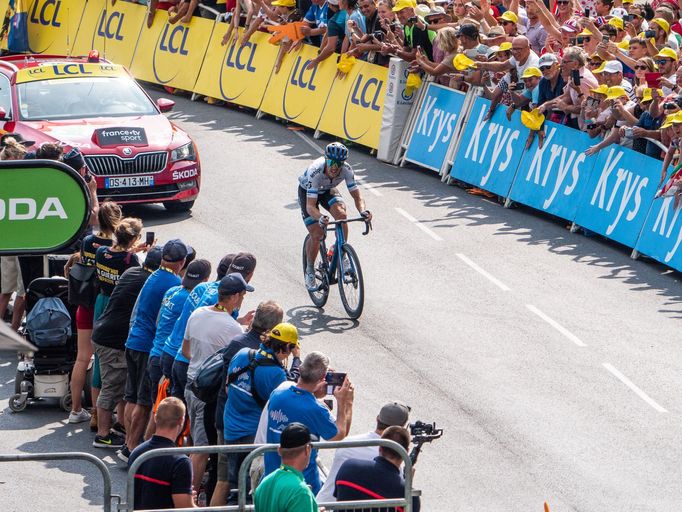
(310, 320)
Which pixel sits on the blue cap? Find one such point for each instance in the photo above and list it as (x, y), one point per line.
(233, 283)
(153, 259)
(175, 250)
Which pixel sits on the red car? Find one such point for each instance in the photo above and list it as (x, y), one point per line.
(136, 154)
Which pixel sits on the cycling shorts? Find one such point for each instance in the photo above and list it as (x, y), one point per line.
(326, 199)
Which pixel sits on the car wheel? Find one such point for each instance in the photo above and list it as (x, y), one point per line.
(178, 206)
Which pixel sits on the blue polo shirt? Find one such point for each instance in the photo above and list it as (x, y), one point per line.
(295, 404)
(242, 413)
(171, 307)
(173, 343)
(143, 322)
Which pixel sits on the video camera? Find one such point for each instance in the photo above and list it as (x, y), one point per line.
(422, 433)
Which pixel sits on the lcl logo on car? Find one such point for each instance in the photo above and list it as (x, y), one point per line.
(127, 151)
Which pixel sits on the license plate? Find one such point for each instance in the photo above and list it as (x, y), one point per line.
(129, 181)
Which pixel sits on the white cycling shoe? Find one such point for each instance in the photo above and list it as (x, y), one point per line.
(310, 283)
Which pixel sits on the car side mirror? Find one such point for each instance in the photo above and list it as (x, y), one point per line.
(165, 105)
(3, 113)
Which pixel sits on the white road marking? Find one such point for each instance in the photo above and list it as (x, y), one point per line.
(485, 274)
(557, 326)
(641, 394)
(309, 141)
(418, 224)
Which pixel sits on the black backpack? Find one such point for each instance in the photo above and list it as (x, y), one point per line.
(207, 381)
(82, 285)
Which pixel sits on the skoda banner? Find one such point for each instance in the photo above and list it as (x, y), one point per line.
(44, 206)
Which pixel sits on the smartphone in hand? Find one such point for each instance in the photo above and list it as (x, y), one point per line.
(575, 76)
(150, 237)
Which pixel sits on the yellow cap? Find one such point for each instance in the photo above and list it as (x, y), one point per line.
(531, 72)
(509, 16)
(616, 92)
(284, 3)
(616, 22)
(600, 69)
(667, 53)
(404, 4)
(504, 47)
(672, 119)
(661, 23)
(462, 62)
(628, 2)
(532, 120)
(602, 89)
(624, 45)
(585, 33)
(286, 333)
(646, 95)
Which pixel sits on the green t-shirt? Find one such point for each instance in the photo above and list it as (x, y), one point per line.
(284, 490)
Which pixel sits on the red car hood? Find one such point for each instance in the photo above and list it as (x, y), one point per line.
(161, 133)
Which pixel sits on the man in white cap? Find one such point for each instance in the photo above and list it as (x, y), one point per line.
(613, 76)
(393, 414)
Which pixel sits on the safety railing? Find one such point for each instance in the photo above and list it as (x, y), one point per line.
(36, 457)
(256, 450)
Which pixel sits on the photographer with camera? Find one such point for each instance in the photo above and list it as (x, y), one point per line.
(380, 478)
(301, 403)
(393, 414)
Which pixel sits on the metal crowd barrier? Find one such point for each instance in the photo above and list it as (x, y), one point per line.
(255, 450)
(106, 477)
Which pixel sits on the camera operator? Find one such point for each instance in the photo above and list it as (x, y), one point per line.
(376, 479)
(393, 414)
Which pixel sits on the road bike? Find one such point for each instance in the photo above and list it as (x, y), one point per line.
(331, 269)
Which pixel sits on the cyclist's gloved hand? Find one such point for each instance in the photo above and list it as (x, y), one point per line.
(323, 220)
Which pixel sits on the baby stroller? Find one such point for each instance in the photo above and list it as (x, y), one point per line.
(50, 326)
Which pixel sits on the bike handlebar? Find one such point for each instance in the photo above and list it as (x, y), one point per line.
(368, 224)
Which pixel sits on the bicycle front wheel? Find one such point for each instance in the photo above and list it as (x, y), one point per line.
(321, 293)
(351, 284)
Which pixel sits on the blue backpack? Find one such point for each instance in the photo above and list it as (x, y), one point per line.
(49, 323)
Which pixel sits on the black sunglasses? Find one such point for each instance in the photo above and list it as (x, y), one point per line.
(545, 68)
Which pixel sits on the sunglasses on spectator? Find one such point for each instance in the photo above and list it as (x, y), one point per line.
(563, 2)
(670, 105)
(594, 63)
(662, 62)
(508, 23)
(590, 126)
(641, 68)
(545, 68)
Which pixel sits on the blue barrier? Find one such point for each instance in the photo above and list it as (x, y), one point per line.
(435, 125)
(552, 178)
(619, 194)
(611, 193)
(661, 236)
(491, 150)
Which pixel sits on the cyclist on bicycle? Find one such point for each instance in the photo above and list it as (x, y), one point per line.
(317, 187)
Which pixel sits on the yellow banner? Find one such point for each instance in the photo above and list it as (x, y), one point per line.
(297, 93)
(113, 31)
(234, 73)
(172, 54)
(68, 70)
(356, 101)
(53, 24)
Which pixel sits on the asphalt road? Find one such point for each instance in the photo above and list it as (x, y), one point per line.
(551, 360)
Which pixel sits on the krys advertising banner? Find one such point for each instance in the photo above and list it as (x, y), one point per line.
(235, 73)
(661, 237)
(491, 150)
(353, 111)
(172, 54)
(298, 93)
(44, 206)
(435, 126)
(618, 194)
(113, 30)
(552, 178)
(53, 24)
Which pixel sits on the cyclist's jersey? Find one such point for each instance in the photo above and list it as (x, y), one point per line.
(316, 182)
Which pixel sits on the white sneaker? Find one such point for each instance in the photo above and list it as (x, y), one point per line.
(310, 283)
(79, 417)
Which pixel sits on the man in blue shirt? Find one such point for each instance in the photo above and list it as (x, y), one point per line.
(251, 379)
(301, 403)
(316, 22)
(375, 479)
(141, 338)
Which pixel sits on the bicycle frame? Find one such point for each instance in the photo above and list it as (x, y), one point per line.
(337, 227)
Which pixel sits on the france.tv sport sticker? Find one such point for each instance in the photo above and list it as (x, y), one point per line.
(107, 137)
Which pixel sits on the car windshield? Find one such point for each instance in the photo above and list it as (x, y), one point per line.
(79, 98)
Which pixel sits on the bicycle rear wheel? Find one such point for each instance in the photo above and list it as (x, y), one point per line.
(351, 284)
(321, 294)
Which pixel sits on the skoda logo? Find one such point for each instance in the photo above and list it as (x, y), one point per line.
(127, 151)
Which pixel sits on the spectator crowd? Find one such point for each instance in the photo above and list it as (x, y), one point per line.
(177, 360)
